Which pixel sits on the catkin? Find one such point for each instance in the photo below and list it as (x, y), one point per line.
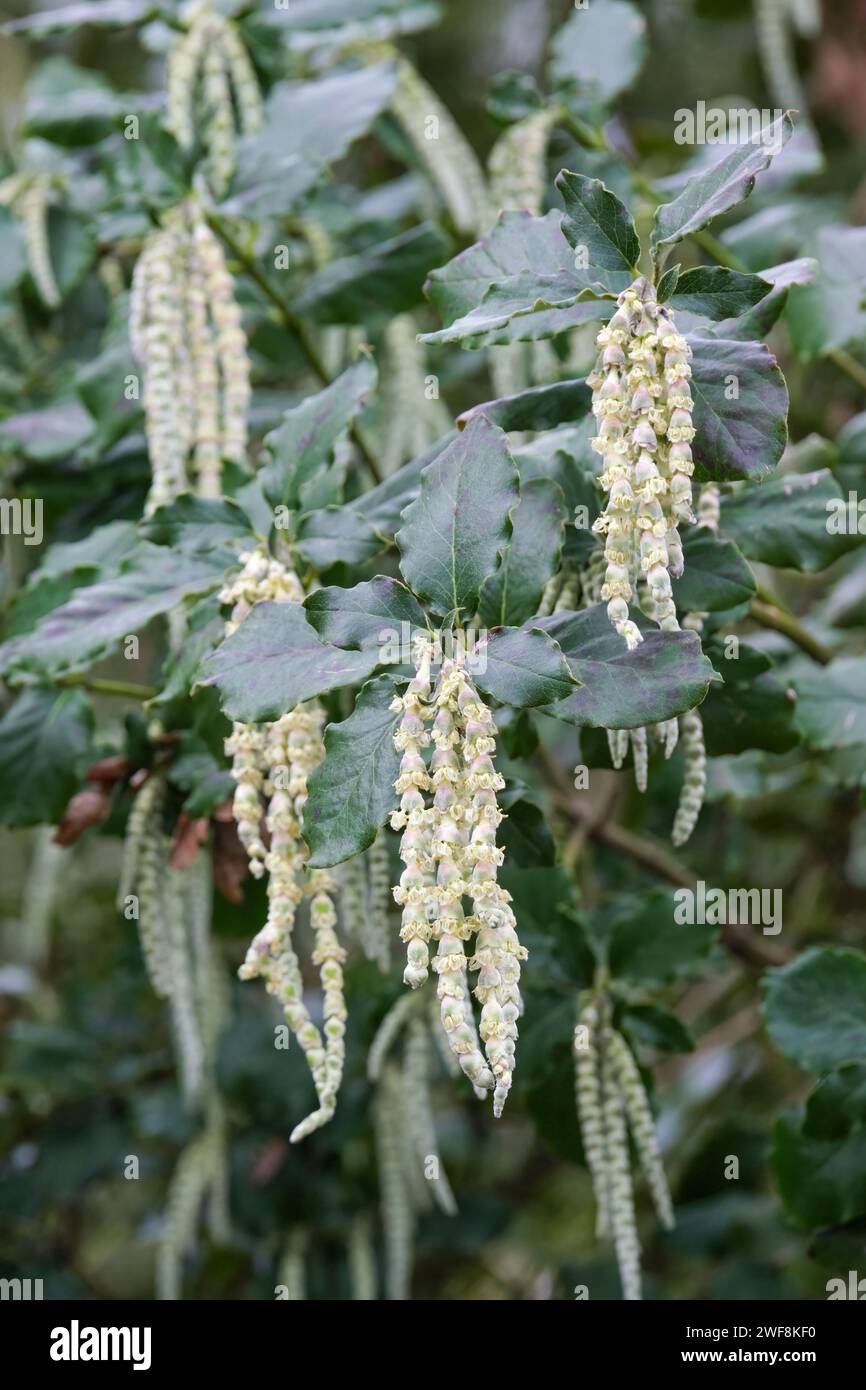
(587, 1083)
(185, 1195)
(212, 92)
(374, 929)
(419, 1114)
(362, 1262)
(695, 777)
(397, 1216)
(449, 851)
(642, 403)
(185, 328)
(270, 766)
(620, 1196)
(640, 1122)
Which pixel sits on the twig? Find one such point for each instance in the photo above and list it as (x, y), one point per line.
(103, 686)
(769, 615)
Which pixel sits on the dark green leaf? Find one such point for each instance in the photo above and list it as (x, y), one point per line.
(819, 1158)
(757, 322)
(377, 284)
(524, 833)
(620, 689)
(307, 124)
(332, 535)
(815, 1008)
(740, 408)
(454, 532)
(715, 577)
(513, 592)
(521, 666)
(798, 521)
(599, 50)
(719, 188)
(538, 408)
(649, 947)
(70, 17)
(96, 618)
(275, 661)
(831, 312)
(45, 746)
(195, 525)
(598, 228)
(753, 709)
(657, 1028)
(367, 615)
(831, 704)
(351, 792)
(302, 446)
(716, 293)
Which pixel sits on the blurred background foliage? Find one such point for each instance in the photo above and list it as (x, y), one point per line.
(88, 1076)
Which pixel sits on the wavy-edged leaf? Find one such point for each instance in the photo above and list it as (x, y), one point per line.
(720, 188)
(351, 792)
(740, 408)
(454, 531)
(377, 284)
(713, 292)
(45, 746)
(798, 521)
(538, 408)
(368, 615)
(619, 689)
(531, 556)
(598, 225)
(521, 666)
(598, 51)
(649, 947)
(753, 709)
(275, 661)
(715, 576)
(815, 1007)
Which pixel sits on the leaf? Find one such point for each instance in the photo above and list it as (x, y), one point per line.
(377, 284)
(521, 666)
(45, 746)
(524, 833)
(715, 577)
(538, 408)
(753, 709)
(96, 618)
(723, 186)
(740, 408)
(657, 1028)
(302, 446)
(648, 947)
(786, 521)
(815, 1007)
(531, 557)
(620, 689)
(307, 124)
(351, 792)
(320, 24)
(522, 267)
(599, 50)
(454, 531)
(331, 535)
(819, 1157)
(196, 525)
(52, 433)
(717, 293)
(831, 313)
(368, 615)
(100, 12)
(831, 704)
(384, 504)
(597, 224)
(757, 322)
(197, 772)
(275, 661)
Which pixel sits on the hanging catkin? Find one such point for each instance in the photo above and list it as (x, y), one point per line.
(449, 851)
(270, 766)
(212, 91)
(186, 330)
(642, 403)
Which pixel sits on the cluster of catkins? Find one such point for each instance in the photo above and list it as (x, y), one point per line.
(611, 1100)
(411, 1173)
(643, 407)
(449, 851)
(270, 765)
(212, 88)
(186, 330)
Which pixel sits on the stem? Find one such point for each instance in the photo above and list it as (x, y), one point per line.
(104, 686)
(295, 326)
(849, 364)
(768, 615)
